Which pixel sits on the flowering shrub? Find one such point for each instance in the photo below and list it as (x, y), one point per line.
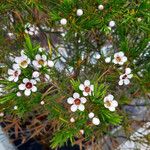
(77, 70)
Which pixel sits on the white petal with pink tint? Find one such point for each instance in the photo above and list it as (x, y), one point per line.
(86, 82)
(70, 100)
(21, 87)
(76, 95)
(81, 107)
(74, 108)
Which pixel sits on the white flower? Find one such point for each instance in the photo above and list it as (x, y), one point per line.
(14, 74)
(107, 59)
(119, 58)
(22, 61)
(27, 86)
(124, 78)
(82, 132)
(72, 120)
(91, 115)
(42, 102)
(31, 29)
(112, 24)
(41, 60)
(1, 114)
(79, 12)
(100, 7)
(87, 88)
(139, 19)
(50, 63)
(110, 103)
(15, 107)
(76, 102)
(63, 21)
(95, 121)
(18, 94)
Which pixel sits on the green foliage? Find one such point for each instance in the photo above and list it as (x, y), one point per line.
(73, 54)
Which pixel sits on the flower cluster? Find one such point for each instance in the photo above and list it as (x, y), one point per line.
(77, 102)
(95, 120)
(22, 64)
(31, 29)
(120, 59)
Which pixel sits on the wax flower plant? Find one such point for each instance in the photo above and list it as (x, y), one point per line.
(81, 107)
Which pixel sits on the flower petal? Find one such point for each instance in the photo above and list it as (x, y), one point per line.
(34, 89)
(35, 74)
(126, 81)
(74, 108)
(25, 80)
(70, 100)
(16, 79)
(21, 86)
(50, 63)
(33, 81)
(76, 95)
(81, 107)
(38, 56)
(114, 103)
(27, 92)
(11, 78)
(120, 82)
(92, 87)
(124, 59)
(10, 71)
(121, 54)
(35, 63)
(44, 57)
(81, 87)
(16, 66)
(112, 108)
(110, 97)
(127, 70)
(85, 93)
(130, 76)
(83, 100)
(86, 82)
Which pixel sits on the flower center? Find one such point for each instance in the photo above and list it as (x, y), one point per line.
(124, 77)
(16, 73)
(87, 89)
(23, 63)
(108, 103)
(77, 101)
(28, 85)
(41, 61)
(28, 29)
(118, 58)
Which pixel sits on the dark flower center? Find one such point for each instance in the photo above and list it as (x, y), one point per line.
(77, 101)
(87, 89)
(41, 61)
(16, 73)
(118, 58)
(108, 103)
(124, 77)
(28, 29)
(23, 63)
(28, 85)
